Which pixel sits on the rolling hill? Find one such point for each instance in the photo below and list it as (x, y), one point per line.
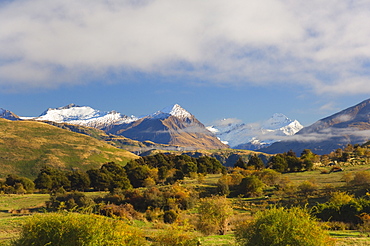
(26, 146)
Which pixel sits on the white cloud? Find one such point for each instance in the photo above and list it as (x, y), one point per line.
(322, 44)
(226, 122)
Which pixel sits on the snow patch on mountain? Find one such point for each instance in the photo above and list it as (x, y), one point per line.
(254, 135)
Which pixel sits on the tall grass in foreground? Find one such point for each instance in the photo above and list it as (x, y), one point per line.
(75, 229)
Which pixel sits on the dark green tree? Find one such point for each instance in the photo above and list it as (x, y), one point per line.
(99, 180)
(278, 163)
(136, 173)
(240, 163)
(79, 180)
(43, 182)
(14, 180)
(58, 179)
(255, 162)
(294, 163)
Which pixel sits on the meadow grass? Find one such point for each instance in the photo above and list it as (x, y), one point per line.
(218, 240)
(350, 237)
(335, 178)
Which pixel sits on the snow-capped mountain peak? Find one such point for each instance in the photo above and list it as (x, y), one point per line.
(68, 113)
(255, 135)
(173, 110)
(177, 111)
(276, 121)
(84, 115)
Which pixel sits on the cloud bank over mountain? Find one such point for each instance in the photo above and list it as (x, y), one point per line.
(322, 45)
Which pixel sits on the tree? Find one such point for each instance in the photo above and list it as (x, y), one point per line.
(279, 163)
(251, 186)
(222, 187)
(281, 227)
(58, 179)
(214, 214)
(137, 173)
(99, 180)
(240, 163)
(269, 176)
(16, 181)
(79, 180)
(256, 162)
(109, 176)
(43, 182)
(294, 163)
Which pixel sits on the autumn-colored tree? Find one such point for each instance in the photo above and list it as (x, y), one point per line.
(214, 214)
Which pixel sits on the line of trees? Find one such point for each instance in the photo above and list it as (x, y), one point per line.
(143, 172)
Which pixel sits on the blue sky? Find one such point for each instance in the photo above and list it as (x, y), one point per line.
(218, 59)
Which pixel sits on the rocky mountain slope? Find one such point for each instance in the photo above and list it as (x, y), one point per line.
(172, 125)
(349, 126)
(255, 136)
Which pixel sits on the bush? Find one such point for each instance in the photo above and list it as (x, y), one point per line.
(71, 201)
(361, 178)
(170, 216)
(280, 226)
(251, 186)
(77, 229)
(307, 188)
(214, 214)
(339, 198)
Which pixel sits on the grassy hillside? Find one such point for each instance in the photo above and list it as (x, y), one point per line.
(25, 146)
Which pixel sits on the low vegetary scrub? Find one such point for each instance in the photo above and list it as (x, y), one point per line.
(77, 229)
(280, 227)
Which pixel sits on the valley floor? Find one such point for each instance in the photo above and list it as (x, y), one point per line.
(14, 209)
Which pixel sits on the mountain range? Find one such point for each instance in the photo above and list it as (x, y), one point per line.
(255, 136)
(349, 126)
(172, 125)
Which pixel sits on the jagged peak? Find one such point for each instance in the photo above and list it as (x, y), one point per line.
(276, 121)
(71, 105)
(177, 110)
(173, 110)
(6, 114)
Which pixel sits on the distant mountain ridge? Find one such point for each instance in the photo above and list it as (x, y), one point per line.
(349, 126)
(6, 114)
(255, 136)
